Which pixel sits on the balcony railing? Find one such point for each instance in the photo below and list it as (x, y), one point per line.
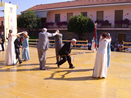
(100, 24)
(62, 24)
(114, 24)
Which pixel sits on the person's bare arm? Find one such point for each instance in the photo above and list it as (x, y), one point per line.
(25, 35)
(17, 34)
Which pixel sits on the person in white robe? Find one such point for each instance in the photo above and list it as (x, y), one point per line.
(10, 57)
(100, 68)
(93, 45)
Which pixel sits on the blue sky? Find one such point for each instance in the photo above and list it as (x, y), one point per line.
(25, 4)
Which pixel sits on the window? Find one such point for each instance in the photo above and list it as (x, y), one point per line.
(69, 15)
(100, 15)
(57, 17)
(84, 13)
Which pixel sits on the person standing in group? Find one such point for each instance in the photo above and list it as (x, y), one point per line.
(10, 58)
(58, 45)
(2, 40)
(65, 53)
(89, 45)
(93, 45)
(108, 52)
(18, 45)
(25, 47)
(43, 45)
(100, 68)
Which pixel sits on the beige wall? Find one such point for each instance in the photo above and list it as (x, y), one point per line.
(109, 13)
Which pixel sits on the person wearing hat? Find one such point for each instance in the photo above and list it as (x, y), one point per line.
(65, 53)
(43, 45)
(25, 47)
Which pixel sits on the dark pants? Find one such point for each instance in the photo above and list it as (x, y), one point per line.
(58, 58)
(17, 51)
(2, 45)
(64, 59)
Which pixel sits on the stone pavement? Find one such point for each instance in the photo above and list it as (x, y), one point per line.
(27, 81)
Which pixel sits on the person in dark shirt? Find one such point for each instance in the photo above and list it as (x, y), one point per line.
(18, 44)
(65, 53)
(2, 40)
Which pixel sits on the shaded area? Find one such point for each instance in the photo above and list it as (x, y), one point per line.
(72, 78)
(50, 64)
(77, 78)
(17, 70)
(13, 68)
(2, 64)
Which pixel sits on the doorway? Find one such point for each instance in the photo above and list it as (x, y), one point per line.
(69, 15)
(42, 22)
(118, 18)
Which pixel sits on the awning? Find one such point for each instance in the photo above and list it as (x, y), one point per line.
(41, 14)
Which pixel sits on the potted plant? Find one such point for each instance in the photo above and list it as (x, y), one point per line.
(48, 24)
(99, 22)
(64, 24)
(61, 24)
(129, 25)
(125, 23)
(106, 24)
(119, 23)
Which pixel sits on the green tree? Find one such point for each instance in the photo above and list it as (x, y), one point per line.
(28, 20)
(80, 24)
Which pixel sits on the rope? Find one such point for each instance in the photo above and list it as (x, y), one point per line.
(66, 55)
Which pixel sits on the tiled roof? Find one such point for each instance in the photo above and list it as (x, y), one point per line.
(76, 3)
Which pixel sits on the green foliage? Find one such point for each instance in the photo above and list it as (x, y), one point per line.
(28, 20)
(33, 37)
(80, 24)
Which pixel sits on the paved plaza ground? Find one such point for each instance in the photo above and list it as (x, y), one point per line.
(27, 81)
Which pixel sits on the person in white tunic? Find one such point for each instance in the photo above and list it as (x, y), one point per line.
(10, 57)
(93, 45)
(100, 68)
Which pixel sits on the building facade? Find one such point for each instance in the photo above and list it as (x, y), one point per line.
(113, 16)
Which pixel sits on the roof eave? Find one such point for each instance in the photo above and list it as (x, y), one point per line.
(84, 6)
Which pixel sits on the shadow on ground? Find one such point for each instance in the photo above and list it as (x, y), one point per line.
(2, 64)
(72, 78)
